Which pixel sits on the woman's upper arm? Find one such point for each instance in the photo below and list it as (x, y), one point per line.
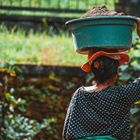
(68, 115)
(131, 91)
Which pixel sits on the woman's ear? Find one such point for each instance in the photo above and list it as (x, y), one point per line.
(138, 26)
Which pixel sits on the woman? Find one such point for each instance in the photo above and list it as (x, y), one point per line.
(102, 111)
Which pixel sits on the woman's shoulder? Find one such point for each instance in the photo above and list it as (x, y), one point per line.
(78, 92)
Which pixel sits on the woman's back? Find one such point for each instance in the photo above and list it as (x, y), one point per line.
(105, 112)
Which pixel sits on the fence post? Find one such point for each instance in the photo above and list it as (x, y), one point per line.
(49, 2)
(39, 3)
(87, 3)
(20, 3)
(77, 4)
(58, 4)
(105, 2)
(1, 3)
(11, 2)
(68, 4)
(30, 3)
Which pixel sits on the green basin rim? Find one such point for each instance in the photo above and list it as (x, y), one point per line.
(101, 17)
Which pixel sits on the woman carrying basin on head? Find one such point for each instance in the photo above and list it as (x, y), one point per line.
(102, 111)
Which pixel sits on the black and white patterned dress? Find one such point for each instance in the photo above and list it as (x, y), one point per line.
(106, 112)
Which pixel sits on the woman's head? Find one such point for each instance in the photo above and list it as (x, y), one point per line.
(104, 64)
(104, 69)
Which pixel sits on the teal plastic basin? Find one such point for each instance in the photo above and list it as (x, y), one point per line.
(109, 32)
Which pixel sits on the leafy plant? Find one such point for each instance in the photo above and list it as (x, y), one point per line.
(17, 127)
(13, 124)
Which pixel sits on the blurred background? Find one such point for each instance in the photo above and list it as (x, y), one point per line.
(40, 70)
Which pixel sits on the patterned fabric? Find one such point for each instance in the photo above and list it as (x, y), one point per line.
(101, 113)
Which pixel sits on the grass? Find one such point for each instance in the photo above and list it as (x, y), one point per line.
(69, 4)
(74, 4)
(38, 48)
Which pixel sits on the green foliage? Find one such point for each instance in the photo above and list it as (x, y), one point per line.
(66, 4)
(18, 127)
(13, 49)
(38, 48)
(13, 124)
(127, 71)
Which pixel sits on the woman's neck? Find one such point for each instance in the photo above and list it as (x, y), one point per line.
(99, 87)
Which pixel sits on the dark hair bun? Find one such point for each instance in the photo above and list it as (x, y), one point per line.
(104, 69)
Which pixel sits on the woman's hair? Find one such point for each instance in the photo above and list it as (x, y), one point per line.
(104, 69)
